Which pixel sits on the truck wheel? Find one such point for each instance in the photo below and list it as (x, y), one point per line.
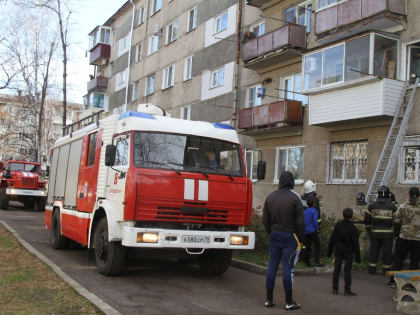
(28, 204)
(58, 241)
(110, 256)
(4, 200)
(215, 261)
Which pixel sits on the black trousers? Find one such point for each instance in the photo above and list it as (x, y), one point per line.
(375, 247)
(347, 257)
(310, 239)
(402, 248)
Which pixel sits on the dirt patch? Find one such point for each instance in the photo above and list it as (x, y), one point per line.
(28, 286)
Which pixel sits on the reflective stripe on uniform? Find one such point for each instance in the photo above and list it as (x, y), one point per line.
(383, 231)
(372, 265)
(386, 266)
(382, 217)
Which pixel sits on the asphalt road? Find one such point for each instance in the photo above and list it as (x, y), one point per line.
(167, 287)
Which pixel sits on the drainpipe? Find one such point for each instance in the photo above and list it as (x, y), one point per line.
(129, 56)
(237, 64)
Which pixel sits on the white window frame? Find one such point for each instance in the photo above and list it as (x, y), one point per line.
(135, 91)
(142, 15)
(283, 92)
(336, 2)
(121, 79)
(150, 89)
(220, 18)
(276, 161)
(124, 45)
(155, 7)
(138, 53)
(215, 83)
(409, 142)
(194, 13)
(252, 153)
(343, 180)
(172, 31)
(305, 5)
(259, 24)
(188, 68)
(153, 46)
(168, 77)
(182, 113)
(258, 100)
(91, 100)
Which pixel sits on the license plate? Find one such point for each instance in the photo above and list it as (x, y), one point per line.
(195, 239)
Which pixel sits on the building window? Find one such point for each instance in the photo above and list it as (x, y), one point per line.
(410, 161)
(351, 60)
(221, 22)
(97, 100)
(217, 77)
(142, 14)
(153, 44)
(258, 29)
(413, 62)
(325, 3)
(100, 35)
(289, 159)
(255, 95)
(300, 14)
(150, 85)
(188, 68)
(91, 149)
(293, 88)
(185, 112)
(348, 162)
(123, 45)
(121, 156)
(192, 19)
(168, 77)
(172, 32)
(135, 91)
(251, 162)
(156, 6)
(138, 52)
(121, 79)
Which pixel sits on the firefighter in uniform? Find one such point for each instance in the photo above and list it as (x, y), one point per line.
(359, 211)
(379, 222)
(407, 232)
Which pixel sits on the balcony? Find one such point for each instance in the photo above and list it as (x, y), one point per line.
(356, 16)
(259, 3)
(274, 47)
(100, 54)
(281, 114)
(370, 99)
(97, 83)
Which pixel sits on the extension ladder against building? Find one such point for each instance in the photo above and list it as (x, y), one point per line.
(394, 141)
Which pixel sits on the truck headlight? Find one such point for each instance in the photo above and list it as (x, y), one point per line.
(238, 240)
(147, 237)
(12, 191)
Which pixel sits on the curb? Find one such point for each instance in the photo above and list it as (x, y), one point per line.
(100, 304)
(240, 264)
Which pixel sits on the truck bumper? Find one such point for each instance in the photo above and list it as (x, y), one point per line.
(26, 192)
(159, 238)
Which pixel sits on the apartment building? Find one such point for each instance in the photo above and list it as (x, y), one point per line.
(320, 84)
(176, 54)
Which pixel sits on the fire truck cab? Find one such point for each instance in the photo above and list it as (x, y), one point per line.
(20, 181)
(137, 180)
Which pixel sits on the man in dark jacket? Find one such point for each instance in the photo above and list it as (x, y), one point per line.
(378, 220)
(284, 220)
(345, 242)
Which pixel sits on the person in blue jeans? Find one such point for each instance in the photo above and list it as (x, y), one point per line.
(284, 221)
(311, 232)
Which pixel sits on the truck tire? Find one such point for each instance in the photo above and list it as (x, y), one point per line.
(58, 241)
(109, 256)
(4, 200)
(29, 204)
(215, 261)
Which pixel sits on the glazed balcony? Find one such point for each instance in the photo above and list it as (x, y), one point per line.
(356, 16)
(274, 47)
(100, 54)
(281, 114)
(97, 83)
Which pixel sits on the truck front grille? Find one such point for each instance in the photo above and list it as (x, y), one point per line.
(27, 182)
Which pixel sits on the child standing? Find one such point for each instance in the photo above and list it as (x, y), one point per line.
(311, 232)
(345, 241)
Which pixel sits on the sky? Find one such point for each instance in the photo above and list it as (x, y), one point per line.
(87, 14)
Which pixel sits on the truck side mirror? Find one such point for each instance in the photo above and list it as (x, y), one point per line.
(261, 166)
(110, 153)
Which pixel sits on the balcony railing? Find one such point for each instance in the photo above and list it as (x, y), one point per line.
(100, 54)
(97, 83)
(280, 114)
(283, 43)
(354, 16)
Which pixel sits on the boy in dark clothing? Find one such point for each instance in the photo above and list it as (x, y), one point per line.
(345, 241)
(311, 232)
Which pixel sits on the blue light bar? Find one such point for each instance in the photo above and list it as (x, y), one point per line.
(135, 114)
(223, 126)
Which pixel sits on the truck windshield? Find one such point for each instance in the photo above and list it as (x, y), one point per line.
(24, 167)
(187, 153)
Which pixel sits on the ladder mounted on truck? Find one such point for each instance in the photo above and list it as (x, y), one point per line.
(88, 120)
(392, 147)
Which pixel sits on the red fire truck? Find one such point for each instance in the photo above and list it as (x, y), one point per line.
(20, 181)
(137, 180)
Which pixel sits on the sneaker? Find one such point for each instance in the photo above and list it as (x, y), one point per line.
(335, 291)
(292, 306)
(350, 293)
(319, 265)
(268, 303)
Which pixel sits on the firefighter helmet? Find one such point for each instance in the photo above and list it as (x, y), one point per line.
(360, 199)
(383, 192)
(309, 186)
